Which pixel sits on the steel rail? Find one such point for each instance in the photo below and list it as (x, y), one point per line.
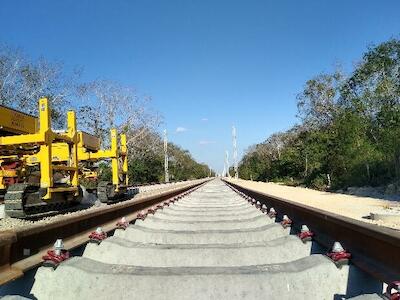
(22, 250)
(374, 249)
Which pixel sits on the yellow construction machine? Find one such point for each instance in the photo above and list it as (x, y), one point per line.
(31, 187)
(89, 151)
(40, 168)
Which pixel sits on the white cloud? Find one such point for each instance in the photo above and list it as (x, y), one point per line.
(204, 119)
(206, 142)
(180, 129)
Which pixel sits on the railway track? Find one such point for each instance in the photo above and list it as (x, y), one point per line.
(214, 243)
(15, 204)
(22, 249)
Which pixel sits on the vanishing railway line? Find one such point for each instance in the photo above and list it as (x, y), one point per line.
(209, 240)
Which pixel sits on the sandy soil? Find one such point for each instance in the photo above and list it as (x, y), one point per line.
(355, 207)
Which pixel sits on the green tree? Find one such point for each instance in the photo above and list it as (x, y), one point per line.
(349, 133)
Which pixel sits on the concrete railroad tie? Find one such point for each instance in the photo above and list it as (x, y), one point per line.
(211, 244)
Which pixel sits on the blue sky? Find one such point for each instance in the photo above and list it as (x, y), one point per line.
(206, 64)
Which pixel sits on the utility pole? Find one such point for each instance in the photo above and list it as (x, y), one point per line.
(227, 164)
(166, 156)
(235, 162)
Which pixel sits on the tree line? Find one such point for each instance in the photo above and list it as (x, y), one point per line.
(348, 134)
(100, 104)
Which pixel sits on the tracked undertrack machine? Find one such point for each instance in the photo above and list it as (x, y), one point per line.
(41, 168)
(89, 153)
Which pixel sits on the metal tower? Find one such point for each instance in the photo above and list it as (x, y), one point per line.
(166, 156)
(227, 164)
(235, 162)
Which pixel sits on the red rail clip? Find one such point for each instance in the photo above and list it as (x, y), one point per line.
(97, 236)
(52, 259)
(141, 215)
(286, 222)
(122, 224)
(305, 234)
(151, 210)
(339, 255)
(395, 285)
(264, 209)
(272, 213)
(55, 256)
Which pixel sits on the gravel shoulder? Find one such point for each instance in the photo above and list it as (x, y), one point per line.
(351, 206)
(18, 224)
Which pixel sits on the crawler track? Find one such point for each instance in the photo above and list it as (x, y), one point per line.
(210, 244)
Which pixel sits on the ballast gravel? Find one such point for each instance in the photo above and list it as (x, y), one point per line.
(19, 224)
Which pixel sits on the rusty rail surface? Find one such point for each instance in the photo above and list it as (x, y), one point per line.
(22, 250)
(374, 249)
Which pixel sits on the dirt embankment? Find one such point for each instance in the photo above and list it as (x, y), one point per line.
(356, 207)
